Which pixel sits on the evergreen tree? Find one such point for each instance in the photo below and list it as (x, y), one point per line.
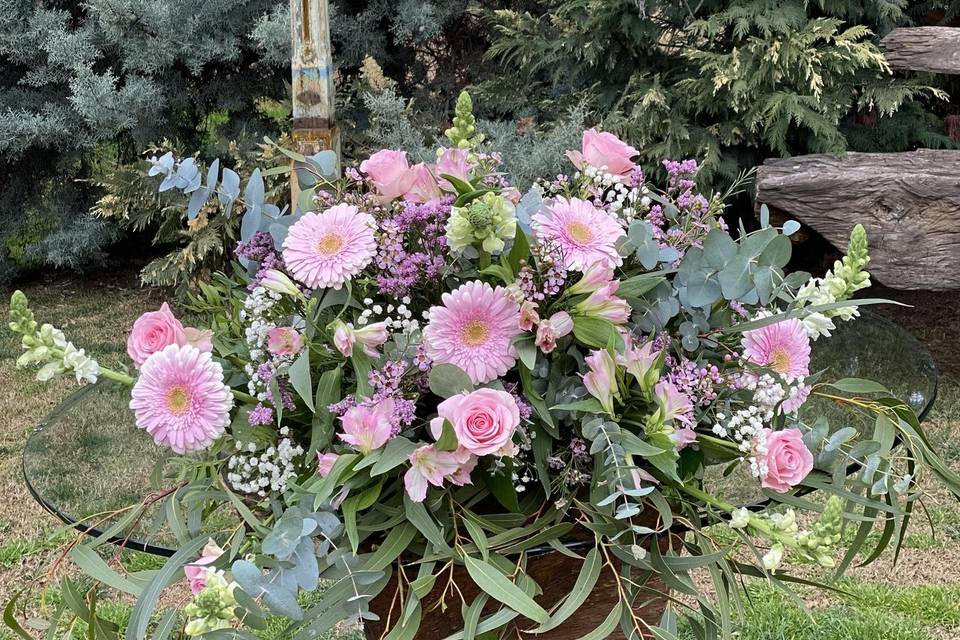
(728, 82)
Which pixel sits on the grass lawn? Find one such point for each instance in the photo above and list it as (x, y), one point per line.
(918, 599)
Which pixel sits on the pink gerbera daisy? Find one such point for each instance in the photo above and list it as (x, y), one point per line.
(180, 398)
(783, 347)
(473, 330)
(585, 235)
(327, 249)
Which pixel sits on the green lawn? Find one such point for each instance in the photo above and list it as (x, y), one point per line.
(917, 600)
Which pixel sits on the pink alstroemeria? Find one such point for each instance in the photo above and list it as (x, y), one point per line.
(429, 465)
(197, 570)
(284, 341)
(368, 428)
(550, 330)
(682, 437)
(603, 304)
(279, 282)
(452, 162)
(640, 362)
(325, 462)
(425, 187)
(601, 380)
(202, 339)
(528, 315)
(596, 276)
(674, 404)
(370, 337)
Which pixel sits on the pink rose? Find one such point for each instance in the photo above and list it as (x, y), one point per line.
(602, 149)
(325, 462)
(484, 421)
(153, 331)
(196, 571)
(284, 341)
(390, 173)
(788, 460)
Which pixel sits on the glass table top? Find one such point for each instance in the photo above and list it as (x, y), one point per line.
(87, 460)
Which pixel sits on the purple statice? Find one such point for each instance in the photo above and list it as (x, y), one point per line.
(693, 219)
(421, 359)
(340, 408)
(260, 249)
(739, 309)
(265, 373)
(260, 415)
(546, 277)
(514, 390)
(411, 246)
(388, 383)
(286, 396)
(698, 382)
(256, 248)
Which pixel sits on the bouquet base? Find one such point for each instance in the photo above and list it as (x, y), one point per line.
(556, 574)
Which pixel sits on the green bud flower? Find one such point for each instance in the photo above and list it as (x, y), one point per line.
(463, 134)
(214, 607)
(488, 220)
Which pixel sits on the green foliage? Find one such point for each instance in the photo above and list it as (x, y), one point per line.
(728, 82)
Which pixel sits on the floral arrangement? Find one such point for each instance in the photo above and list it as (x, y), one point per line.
(421, 378)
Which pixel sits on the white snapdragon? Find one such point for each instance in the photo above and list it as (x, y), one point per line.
(773, 557)
(740, 518)
(56, 355)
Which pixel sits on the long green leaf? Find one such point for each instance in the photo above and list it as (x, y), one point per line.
(299, 373)
(94, 566)
(607, 626)
(328, 392)
(10, 618)
(589, 573)
(419, 517)
(393, 545)
(502, 589)
(140, 616)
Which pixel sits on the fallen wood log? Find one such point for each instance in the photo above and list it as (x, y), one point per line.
(934, 49)
(908, 202)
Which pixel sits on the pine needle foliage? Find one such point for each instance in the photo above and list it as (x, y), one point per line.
(726, 81)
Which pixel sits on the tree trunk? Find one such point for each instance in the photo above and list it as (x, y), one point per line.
(908, 202)
(935, 49)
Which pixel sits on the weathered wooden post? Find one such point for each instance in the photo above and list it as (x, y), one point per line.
(314, 128)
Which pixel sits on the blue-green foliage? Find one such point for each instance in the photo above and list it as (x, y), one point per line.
(86, 87)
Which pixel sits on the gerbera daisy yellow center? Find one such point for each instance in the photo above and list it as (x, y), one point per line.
(330, 243)
(178, 400)
(580, 232)
(475, 333)
(780, 361)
